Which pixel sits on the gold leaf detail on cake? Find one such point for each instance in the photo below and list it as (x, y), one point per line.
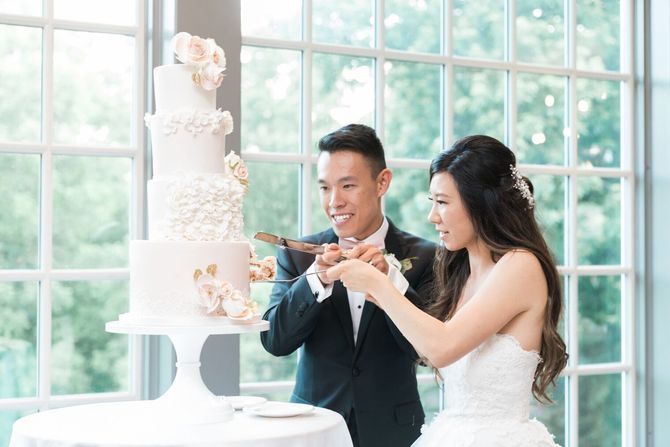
(197, 274)
(196, 77)
(211, 269)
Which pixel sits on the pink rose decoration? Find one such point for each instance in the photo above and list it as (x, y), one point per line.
(208, 292)
(210, 77)
(241, 171)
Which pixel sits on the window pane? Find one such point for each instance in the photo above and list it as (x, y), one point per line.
(407, 204)
(552, 415)
(541, 119)
(272, 19)
(270, 100)
(599, 220)
(20, 205)
(23, 7)
(598, 123)
(21, 86)
(7, 419)
(600, 410)
(479, 102)
(256, 364)
(599, 319)
(413, 119)
(118, 12)
(93, 88)
(344, 22)
(85, 358)
(413, 25)
(429, 393)
(343, 93)
(540, 31)
(275, 210)
(18, 352)
(479, 28)
(91, 211)
(320, 221)
(598, 34)
(278, 394)
(549, 192)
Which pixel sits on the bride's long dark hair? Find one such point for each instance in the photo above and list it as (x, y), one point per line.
(504, 220)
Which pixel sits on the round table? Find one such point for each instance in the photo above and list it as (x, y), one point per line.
(138, 423)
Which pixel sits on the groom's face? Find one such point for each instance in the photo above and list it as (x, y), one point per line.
(350, 193)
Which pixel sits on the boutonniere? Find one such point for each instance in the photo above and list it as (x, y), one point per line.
(403, 265)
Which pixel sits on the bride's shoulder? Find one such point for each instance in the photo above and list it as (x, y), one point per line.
(522, 264)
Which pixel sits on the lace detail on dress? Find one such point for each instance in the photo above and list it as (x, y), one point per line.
(487, 395)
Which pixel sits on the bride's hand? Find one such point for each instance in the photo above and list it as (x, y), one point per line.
(357, 276)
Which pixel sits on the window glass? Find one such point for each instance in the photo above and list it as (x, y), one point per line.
(21, 86)
(407, 205)
(540, 31)
(598, 123)
(550, 198)
(272, 19)
(118, 12)
(600, 409)
(93, 88)
(343, 92)
(20, 205)
(541, 119)
(598, 34)
(84, 357)
(599, 319)
(344, 22)
(412, 101)
(91, 209)
(478, 29)
(18, 352)
(599, 220)
(412, 25)
(479, 102)
(271, 89)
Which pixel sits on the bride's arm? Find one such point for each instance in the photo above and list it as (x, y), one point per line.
(511, 288)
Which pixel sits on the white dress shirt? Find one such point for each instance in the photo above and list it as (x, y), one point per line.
(357, 299)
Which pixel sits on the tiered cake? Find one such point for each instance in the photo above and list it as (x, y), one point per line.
(196, 263)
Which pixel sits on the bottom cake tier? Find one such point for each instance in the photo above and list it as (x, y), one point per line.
(185, 280)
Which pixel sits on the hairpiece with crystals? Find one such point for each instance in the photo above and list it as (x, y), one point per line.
(522, 186)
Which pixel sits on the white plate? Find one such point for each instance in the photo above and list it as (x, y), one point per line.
(240, 402)
(279, 409)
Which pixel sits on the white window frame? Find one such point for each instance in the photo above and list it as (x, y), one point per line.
(45, 274)
(571, 269)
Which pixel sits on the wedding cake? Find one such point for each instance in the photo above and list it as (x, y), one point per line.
(196, 264)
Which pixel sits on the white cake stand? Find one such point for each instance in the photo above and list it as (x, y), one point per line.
(188, 400)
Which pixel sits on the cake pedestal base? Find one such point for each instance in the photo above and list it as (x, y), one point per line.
(188, 400)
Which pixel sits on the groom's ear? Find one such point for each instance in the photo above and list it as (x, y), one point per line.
(383, 181)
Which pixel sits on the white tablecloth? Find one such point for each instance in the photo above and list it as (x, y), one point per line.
(132, 423)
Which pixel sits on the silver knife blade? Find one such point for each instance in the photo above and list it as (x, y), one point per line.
(283, 242)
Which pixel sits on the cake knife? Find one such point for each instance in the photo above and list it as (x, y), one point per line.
(291, 244)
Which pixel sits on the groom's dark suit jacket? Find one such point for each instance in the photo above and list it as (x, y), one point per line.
(376, 376)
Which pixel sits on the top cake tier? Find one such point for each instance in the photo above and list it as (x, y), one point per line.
(174, 90)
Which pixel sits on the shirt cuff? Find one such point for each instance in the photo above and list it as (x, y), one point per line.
(397, 278)
(320, 291)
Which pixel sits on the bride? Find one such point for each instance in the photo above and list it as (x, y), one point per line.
(491, 328)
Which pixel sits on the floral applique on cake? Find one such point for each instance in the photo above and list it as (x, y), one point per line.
(204, 55)
(236, 166)
(262, 270)
(221, 298)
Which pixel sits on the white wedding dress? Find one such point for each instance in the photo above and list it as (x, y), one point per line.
(487, 395)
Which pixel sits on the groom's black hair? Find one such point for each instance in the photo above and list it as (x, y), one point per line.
(357, 138)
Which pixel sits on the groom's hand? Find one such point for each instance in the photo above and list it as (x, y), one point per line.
(328, 259)
(370, 254)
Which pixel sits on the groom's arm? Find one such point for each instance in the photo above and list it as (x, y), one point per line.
(292, 311)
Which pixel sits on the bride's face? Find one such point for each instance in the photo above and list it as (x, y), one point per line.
(450, 217)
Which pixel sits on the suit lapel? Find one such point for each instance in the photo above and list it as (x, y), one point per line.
(393, 245)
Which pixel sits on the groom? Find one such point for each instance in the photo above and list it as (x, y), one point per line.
(353, 359)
